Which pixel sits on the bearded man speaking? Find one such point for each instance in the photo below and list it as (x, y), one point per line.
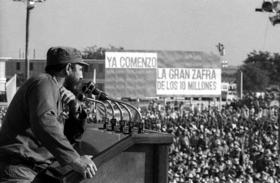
(32, 134)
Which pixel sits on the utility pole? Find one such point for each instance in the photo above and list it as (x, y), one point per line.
(30, 4)
(28, 9)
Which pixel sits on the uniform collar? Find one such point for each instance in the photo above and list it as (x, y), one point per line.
(59, 83)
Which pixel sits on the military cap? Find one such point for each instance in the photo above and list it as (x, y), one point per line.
(64, 55)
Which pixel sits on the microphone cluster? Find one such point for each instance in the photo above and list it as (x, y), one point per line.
(126, 126)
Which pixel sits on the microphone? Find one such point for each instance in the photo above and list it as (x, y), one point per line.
(113, 121)
(90, 88)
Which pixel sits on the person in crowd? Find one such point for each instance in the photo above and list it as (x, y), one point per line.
(32, 134)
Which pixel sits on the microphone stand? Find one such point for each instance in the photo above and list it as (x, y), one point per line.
(128, 111)
(111, 106)
(127, 104)
(139, 125)
(118, 106)
(113, 121)
(99, 102)
(124, 124)
(118, 127)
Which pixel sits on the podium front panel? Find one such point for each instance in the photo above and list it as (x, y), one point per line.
(145, 160)
(127, 167)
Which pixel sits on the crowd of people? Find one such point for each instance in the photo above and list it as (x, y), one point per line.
(237, 143)
(3, 110)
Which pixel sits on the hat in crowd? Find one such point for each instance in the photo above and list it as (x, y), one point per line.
(64, 55)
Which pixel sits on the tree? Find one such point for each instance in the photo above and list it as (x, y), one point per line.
(258, 57)
(275, 74)
(261, 69)
(95, 52)
(254, 78)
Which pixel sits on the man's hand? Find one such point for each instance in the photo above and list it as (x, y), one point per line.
(66, 95)
(85, 166)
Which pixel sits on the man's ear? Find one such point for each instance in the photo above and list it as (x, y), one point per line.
(68, 69)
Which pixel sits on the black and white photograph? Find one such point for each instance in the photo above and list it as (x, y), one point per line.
(139, 91)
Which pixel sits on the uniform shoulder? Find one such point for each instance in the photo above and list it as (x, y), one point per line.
(43, 78)
(43, 83)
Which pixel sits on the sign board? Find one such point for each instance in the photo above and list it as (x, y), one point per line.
(188, 81)
(130, 74)
(162, 73)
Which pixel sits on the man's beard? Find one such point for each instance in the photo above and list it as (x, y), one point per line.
(73, 84)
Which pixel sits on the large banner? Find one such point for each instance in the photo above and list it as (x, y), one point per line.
(130, 74)
(188, 81)
(162, 73)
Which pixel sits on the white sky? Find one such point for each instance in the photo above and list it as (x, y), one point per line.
(190, 25)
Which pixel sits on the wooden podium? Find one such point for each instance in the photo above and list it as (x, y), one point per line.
(135, 158)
